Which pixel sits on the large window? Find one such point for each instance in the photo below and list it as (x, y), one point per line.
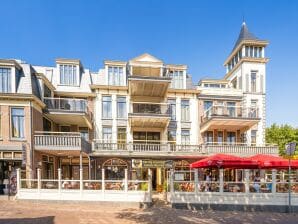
(185, 136)
(107, 134)
(106, 107)
(185, 110)
(253, 81)
(208, 137)
(115, 76)
(207, 106)
(253, 137)
(17, 122)
(172, 108)
(231, 137)
(121, 107)
(231, 106)
(172, 135)
(177, 79)
(121, 135)
(68, 75)
(84, 132)
(5, 80)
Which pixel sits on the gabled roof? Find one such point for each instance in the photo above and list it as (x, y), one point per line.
(146, 58)
(245, 35)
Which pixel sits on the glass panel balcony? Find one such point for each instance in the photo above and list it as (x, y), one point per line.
(60, 109)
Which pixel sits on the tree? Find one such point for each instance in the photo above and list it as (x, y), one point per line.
(281, 135)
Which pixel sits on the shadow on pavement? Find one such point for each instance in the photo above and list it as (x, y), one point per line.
(38, 220)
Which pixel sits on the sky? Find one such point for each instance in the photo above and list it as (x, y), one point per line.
(200, 34)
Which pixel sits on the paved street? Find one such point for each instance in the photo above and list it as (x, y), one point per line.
(29, 212)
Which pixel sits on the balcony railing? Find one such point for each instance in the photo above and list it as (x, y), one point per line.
(66, 105)
(220, 111)
(60, 141)
(150, 108)
(172, 147)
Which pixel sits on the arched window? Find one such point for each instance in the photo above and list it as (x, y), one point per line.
(114, 169)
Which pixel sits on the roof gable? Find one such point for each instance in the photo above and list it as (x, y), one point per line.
(146, 58)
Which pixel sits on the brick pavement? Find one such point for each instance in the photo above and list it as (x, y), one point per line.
(47, 212)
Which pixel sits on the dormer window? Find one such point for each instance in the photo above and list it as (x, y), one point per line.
(68, 75)
(177, 79)
(5, 80)
(115, 76)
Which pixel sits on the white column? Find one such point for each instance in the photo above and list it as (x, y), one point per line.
(126, 180)
(221, 180)
(103, 181)
(38, 179)
(196, 181)
(18, 180)
(274, 181)
(59, 180)
(81, 180)
(172, 182)
(246, 178)
(150, 182)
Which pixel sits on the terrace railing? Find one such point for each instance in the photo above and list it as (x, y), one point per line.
(148, 108)
(230, 112)
(60, 141)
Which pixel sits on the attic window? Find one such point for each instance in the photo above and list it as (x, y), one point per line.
(68, 75)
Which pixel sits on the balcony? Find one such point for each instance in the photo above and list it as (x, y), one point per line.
(229, 117)
(61, 143)
(148, 86)
(149, 115)
(68, 111)
(171, 149)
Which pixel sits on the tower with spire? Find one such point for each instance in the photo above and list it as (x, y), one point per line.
(246, 71)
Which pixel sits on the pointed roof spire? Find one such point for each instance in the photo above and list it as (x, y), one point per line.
(244, 35)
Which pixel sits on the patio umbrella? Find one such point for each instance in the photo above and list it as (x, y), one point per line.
(225, 161)
(273, 162)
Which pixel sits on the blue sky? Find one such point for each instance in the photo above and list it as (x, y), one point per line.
(200, 34)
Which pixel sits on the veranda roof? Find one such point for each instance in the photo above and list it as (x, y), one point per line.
(225, 161)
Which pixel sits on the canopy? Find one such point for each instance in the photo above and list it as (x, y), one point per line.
(225, 161)
(273, 162)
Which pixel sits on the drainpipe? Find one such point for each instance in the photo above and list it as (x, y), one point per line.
(31, 139)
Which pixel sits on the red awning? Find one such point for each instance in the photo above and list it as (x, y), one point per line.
(225, 161)
(273, 162)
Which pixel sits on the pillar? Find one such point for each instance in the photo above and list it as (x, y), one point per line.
(103, 180)
(196, 181)
(246, 178)
(38, 179)
(81, 180)
(18, 180)
(221, 180)
(126, 180)
(59, 180)
(273, 181)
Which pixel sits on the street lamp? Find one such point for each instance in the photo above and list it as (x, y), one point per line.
(290, 150)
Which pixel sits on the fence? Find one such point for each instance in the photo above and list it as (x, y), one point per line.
(84, 190)
(185, 190)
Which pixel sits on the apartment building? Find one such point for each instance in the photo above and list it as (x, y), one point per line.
(137, 115)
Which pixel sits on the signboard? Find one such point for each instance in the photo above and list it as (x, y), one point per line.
(290, 148)
(148, 163)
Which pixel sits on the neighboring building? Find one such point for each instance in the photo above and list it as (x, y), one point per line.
(139, 114)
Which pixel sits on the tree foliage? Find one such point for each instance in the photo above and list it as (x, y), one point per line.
(281, 135)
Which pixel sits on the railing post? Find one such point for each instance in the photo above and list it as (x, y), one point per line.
(273, 181)
(246, 178)
(221, 181)
(81, 180)
(126, 180)
(59, 180)
(103, 182)
(196, 181)
(18, 180)
(38, 180)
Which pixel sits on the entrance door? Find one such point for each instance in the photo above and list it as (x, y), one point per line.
(154, 183)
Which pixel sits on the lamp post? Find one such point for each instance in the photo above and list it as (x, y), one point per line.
(290, 150)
